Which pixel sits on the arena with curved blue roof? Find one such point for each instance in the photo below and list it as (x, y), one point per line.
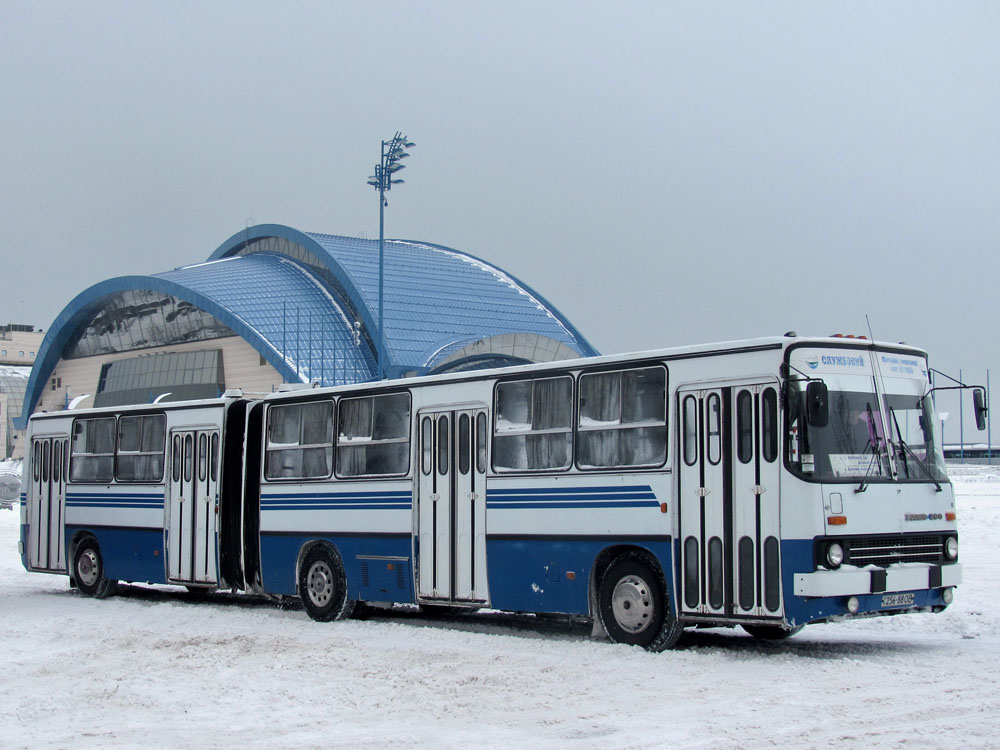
(274, 304)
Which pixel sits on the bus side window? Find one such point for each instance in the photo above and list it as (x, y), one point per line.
(202, 457)
(442, 445)
(176, 459)
(426, 446)
(623, 418)
(690, 430)
(188, 458)
(373, 435)
(744, 427)
(769, 424)
(93, 450)
(714, 429)
(533, 427)
(215, 457)
(481, 443)
(464, 444)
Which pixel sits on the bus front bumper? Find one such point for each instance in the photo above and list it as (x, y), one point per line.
(872, 580)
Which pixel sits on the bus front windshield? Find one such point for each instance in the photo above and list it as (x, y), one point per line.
(865, 440)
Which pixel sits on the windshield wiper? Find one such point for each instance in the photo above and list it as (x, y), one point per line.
(876, 453)
(907, 449)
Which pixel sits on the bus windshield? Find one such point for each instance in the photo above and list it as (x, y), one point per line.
(865, 440)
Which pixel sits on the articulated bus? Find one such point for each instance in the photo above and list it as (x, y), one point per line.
(768, 483)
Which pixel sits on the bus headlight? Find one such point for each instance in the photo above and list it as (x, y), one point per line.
(951, 548)
(948, 595)
(834, 555)
(853, 605)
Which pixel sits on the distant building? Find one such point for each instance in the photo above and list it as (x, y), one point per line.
(19, 345)
(273, 304)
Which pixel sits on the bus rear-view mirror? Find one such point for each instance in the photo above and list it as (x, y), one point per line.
(817, 407)
(979, 407)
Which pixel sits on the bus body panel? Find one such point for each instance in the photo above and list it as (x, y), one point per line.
(738, 509)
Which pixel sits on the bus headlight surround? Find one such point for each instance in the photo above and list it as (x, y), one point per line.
(834, 555)
(951, 548)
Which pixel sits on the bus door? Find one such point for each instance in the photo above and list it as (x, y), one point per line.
(47, 509)
(191, 509)
(451, 506)
(729, 510)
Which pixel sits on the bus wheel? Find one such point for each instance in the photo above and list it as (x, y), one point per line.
(633, 605)
(771, 632)
(323, 586)
(88, 570)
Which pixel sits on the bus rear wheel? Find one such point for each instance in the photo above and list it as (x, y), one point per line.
(88, 570)
(633, 605)
(323, 586)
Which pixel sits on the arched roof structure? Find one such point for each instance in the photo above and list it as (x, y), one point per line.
(308, 303)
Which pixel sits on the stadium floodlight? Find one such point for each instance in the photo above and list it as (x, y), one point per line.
(393, 151)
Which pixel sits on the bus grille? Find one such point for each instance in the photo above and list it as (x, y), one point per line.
(886, 550)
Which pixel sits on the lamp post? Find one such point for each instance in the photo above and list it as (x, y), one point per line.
(393, 152)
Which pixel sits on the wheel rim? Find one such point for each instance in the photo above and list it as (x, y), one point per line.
(632, 604)
(87, 567)
(319, 583)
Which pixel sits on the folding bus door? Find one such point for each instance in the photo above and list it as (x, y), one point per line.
(703, 488)
(756, 526)
(191, 521)
(451, 506)
(47, 503)
(729, 502)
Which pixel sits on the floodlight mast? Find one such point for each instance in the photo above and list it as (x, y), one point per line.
(393, 152)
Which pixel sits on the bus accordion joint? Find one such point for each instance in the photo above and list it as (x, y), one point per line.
(837, 520)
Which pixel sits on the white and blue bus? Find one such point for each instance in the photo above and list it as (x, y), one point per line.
(768, 483)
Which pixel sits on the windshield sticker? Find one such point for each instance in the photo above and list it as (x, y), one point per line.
(903, 365)
(850, 464)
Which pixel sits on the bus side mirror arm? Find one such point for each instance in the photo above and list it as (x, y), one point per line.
(980, 407)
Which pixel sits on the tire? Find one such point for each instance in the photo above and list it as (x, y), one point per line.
(88, 571)
(633, 606)
(323, 586)
(771, 632)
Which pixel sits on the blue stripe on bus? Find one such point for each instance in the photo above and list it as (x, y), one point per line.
(571, 490)
(641, 496)
(103, 500)
(388, 500)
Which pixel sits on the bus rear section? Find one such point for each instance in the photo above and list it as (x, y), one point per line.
(131, 494)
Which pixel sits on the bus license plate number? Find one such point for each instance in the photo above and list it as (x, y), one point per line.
(897, 600)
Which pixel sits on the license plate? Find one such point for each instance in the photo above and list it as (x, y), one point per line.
(897, 600)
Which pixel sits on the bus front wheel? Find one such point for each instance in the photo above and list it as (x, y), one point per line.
(771, 632)
(323, 586)
(88, 570)
(633, 605)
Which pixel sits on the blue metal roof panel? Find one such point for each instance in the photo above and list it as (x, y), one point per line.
(290, 310)
(436, 297)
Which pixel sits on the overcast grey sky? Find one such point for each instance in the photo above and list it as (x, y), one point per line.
(664, 173)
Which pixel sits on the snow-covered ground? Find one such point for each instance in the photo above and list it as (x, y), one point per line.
(155, 667)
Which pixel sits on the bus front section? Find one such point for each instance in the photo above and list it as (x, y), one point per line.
(868, 512)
